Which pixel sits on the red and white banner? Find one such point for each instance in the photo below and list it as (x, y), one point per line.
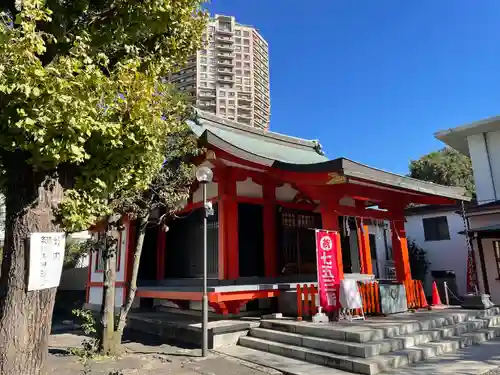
(328, 271)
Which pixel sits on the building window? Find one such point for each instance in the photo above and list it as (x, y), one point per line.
(246, 49)
(237, 40)
(222, 94)
(246, 42)
(237, 32)
(237, 48)
(436, 228)
(246, 33)
(496, 249)
(203, 60)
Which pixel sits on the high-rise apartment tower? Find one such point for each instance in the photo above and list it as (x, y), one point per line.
(230, 76)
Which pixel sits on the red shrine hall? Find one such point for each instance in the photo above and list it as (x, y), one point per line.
(269, 192)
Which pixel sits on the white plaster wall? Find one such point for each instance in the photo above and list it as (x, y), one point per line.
(212, 192)
(248, 188)
(493, 142)
(480, 164)
(444, 255)
(285, 193)
(95, 296)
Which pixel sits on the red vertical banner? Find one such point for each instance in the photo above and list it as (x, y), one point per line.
(328, 271)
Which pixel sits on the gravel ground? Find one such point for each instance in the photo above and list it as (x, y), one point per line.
(143, 359)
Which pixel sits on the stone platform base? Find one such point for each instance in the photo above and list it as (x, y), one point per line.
(480, 302)
(187, 329)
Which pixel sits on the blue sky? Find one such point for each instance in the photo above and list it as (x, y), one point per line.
(374, 79)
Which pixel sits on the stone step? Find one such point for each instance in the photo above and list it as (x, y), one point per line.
(372, 348)
(288, 366)
(375, 364)
(378, 329)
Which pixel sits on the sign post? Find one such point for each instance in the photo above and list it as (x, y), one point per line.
(46, 251)
(327, 268)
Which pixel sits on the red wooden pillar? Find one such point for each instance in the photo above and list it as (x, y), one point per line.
(228, 228)
(330, 221)
(269, 223)
(365, 256)
(400, 250)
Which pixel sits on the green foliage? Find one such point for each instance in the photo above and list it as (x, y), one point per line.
(419, 264)
(75, 250)
(445, 167)
(90, 346)
(82, 95)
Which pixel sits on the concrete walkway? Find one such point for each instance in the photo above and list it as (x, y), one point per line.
(474, 360)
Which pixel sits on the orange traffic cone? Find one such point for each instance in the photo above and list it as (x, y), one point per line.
(436, 300)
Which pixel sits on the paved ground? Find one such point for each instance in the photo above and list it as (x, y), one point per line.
(142, 359)
(474, 360)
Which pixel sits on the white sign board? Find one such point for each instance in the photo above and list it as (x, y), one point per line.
(46, 260)
(350, 298)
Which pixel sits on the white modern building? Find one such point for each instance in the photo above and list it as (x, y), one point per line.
(439, 231)
(481, 141)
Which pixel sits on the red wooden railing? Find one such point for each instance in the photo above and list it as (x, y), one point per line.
(370, 296)
(306, 301)
(415, 294)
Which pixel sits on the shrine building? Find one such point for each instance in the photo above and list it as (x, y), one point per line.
(269, 192)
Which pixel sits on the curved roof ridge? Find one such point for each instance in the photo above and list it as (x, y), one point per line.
(222, 122)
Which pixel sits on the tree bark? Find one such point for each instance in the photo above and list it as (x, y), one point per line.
(25, 317)
(141, 233)
(108, 346)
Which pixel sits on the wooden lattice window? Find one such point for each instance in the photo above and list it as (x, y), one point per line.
(297, 242)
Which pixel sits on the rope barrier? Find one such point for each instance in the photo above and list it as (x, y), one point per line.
(453, 294)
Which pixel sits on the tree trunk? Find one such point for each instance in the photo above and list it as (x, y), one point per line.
(25, 317)
(108, 346)
(141, 233)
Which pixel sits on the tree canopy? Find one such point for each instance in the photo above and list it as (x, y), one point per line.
(82, 97)
(446, 167)
(86, 116)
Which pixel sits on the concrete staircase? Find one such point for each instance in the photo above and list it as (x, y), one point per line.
(371, 347)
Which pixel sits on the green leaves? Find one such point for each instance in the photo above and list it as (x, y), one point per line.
(84, 93)
(445, 167)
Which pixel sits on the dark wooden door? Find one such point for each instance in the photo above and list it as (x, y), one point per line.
(250, 240)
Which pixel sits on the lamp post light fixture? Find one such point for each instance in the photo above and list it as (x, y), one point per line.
(204, 175)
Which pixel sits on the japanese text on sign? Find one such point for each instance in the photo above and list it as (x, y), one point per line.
(46, 252)
(327, 266)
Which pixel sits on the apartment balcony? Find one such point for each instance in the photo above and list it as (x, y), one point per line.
(247, 115)
(206, 103)
(207, 95)
(225, 55)
(224, 47)
(225, 79)
(224, 39)
(223, 31)
(225, 71)
(226, 63)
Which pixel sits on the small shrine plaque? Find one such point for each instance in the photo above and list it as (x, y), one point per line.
(46, 257)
